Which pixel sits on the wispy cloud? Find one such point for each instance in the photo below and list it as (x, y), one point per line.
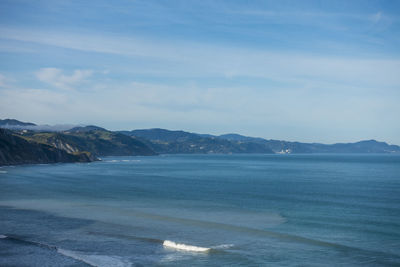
(57, 78)
(205, 60)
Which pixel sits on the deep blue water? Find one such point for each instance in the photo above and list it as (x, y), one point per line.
(250, 210)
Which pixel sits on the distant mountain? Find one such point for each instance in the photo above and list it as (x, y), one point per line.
(19, 125)
(367, 146)
(173, 142)
(165, 141)
(85, 129)
(12, 123)
(242, 138)
(162, 135)
(278, 146)
(16, 150)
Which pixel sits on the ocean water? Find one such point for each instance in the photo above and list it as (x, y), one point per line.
(203, 210)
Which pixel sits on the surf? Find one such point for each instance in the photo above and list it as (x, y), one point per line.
(180, 246)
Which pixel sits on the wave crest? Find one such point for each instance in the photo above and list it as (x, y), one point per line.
(171, 244)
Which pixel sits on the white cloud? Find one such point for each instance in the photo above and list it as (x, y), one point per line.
(57, 78)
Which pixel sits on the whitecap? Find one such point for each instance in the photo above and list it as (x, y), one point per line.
(3, 236)
(171, 244)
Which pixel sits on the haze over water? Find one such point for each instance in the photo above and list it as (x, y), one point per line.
(251, 210)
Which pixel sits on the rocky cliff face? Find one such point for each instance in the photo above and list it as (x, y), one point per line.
(16, 150)
(97, 141)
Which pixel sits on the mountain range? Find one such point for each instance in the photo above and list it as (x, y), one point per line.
(26, 142)
(165, 141)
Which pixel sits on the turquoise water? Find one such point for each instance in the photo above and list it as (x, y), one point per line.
(248, 210)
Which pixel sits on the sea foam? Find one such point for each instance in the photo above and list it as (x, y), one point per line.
(174, 245)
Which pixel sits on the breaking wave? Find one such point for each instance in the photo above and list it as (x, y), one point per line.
(165, 243)
(171, 244)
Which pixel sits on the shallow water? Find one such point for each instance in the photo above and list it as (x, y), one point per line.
(248, 210)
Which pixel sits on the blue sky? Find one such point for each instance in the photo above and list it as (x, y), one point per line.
(313, 71)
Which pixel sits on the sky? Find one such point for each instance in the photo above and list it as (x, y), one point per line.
(310, 71)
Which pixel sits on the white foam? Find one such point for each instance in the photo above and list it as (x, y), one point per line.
(95, 260)
(123, 160)
(174, 245)
(3, 171)
(3, 236)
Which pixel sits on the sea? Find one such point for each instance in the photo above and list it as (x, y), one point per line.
(203, 210)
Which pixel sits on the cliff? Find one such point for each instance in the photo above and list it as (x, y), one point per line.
(16, 150)
(95, 140)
